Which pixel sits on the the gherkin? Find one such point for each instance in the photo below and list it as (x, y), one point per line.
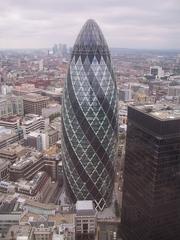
(89, 119)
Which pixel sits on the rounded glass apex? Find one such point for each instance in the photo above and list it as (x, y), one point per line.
(90, 39)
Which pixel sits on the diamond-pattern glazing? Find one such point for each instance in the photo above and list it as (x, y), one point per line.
(89, 119)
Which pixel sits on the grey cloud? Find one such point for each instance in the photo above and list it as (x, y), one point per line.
(125, 23)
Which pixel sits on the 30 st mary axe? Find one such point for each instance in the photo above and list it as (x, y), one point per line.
(89, 119)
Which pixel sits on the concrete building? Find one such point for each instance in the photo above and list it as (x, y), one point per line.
(27, 166)
(4, 174)
(11, 105)
(33, 122)
(12, 152)
(10, 214)
(125, 95)
(51, 110)
(34, 140)
(60, 173)
(12, 122)
(34, 103)
(53, 136)
(85, 220)
(19, 232)
(122, 115)
(66, 231)
(157, 71)
(42, 230)
(5, 89)
(54, 94)
(174, 91)
(37, 188)
(42, 140)
(24, 89)
(8, 136)
(7, 187)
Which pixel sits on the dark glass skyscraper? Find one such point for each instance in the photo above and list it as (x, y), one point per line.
(151, 191)
(89, 119)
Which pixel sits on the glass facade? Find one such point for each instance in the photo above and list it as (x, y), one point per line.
(151, 191)
(89, 119)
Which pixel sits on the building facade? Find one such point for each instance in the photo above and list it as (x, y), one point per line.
(34, 103)
(85, 220)
(151, 192)
(4, 165)
(32, 122)
(89, 119)
(11, 105)
(9, 136)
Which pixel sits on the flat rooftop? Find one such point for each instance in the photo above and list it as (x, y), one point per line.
(84, 205)
(7, 207)
(6, 133)
(3, 163)
(12, 149)
(22, 231)
(160, 111)
(58, 218)
(30, 118)
(32, 184)
(27, 159)
(34, 97)
(10, 119)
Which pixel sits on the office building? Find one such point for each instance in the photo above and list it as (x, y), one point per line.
(34, 140)
(51, 110)
(12, 122)
(24, 89)
(11, 105)
(174, 91)
(32, 122)
(85, 220)
(157, 71)
(36, 189)
(125, 95)
(19, 232)
(8, 136)
(31, 162)
(4, 165)
(89, 120)
(151, 191)
(10, 214)
(34, 103)
(27, 166)
(42, 140)
(12, 152)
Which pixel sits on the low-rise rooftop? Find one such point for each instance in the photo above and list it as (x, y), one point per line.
(14, 148)
(19, 232)
(10, 119)
(27, 159)
(30, 118)
(34, 97)
(3, 163)
(85, 207)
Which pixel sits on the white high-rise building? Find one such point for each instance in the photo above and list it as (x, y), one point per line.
(157, 71)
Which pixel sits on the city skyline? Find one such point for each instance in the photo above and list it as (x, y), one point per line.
(126, 24)
(61, 113)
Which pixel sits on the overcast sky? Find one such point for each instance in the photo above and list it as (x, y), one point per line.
(125, 23)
